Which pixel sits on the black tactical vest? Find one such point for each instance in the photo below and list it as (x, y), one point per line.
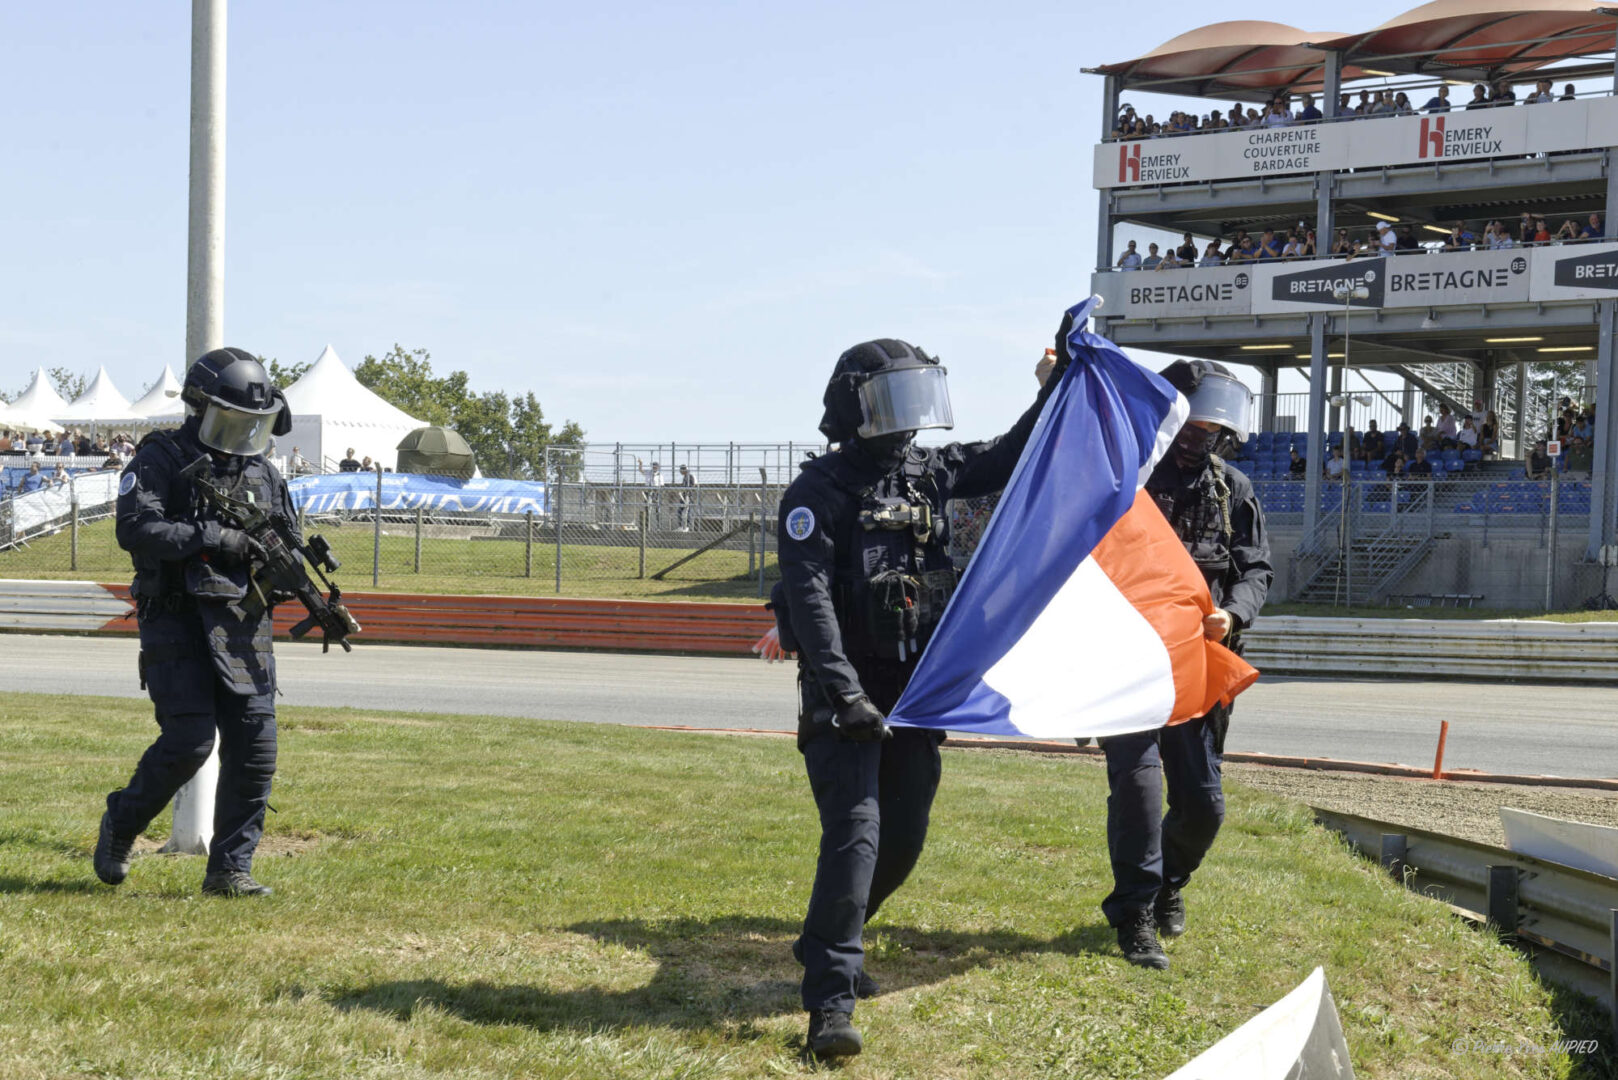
(1199, 511)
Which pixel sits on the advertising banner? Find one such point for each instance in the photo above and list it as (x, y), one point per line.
(1575, 272)
(1174, 294)
(1370, 142)
(406, 491)
(1309, 286)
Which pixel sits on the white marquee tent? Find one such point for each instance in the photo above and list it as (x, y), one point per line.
(331, 412)
(101, 403)
(162, 401)
(40, 399)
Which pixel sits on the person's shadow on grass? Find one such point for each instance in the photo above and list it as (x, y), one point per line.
(729, 970)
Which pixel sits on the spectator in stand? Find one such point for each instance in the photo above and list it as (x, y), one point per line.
(348, 464)
(1460, 238)
(1270, 247)
(686, 482)
(1386, 242)
(366, 465)
(1187, 251)
(60, 477)
(1581, 432)
(1343, 106)
(1299, 466)
(32, 482)
(1468, 435)
(1309, 244)
(297, 465)
(1567, 93)
(1479, 413)
(1538, 465)
(1293, 249)
(1152, 258)
(1373, 444)
(1212, 256)
(1503, 95)
(1542, 235)
(1542, 94)
(1309, 113)
(1252, 119)
(82, 445)
(1342, 245)
(1401, 105)
(1334, 464)
(1404, 441)
(1363, 109)
(1525, 228)
(1489, 435)
(1243, 251)
(1170, 261)
(1421, 466)
(1439, 102)
(1130, 259)
(1235, 119)
(1497, 236)
(1480, 97)
(1592, 228)
(34, 444)
(1407, 240)
(1430, 438)
(1447, 428)
(1276, 115)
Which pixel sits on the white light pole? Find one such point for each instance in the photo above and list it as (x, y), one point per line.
(1347, 294)
(204, 317)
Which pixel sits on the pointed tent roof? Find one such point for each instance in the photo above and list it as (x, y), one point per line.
(163, 399)
(329, 389)
(41, 398)
(100, 401)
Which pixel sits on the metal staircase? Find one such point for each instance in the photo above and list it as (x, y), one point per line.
(1374, 566)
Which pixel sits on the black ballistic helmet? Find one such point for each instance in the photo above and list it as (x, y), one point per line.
(236, 406)
(884, 387)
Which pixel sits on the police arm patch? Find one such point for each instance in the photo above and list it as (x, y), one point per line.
(800, 522)
(127, 484)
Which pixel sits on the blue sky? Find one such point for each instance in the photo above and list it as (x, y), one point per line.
(665, 220)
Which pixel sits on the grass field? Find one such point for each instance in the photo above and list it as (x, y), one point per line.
(466, 897)
(594, 569)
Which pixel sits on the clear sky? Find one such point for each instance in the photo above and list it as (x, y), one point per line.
(664, 219)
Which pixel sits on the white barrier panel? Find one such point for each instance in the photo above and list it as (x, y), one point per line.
(1175, 294)
(1575, 272)
(36, 508)
(1571, 843)
(1368, 143)
(1298, 1036)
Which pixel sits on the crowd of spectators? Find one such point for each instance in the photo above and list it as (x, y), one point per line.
(35, 447)
(1285, 111)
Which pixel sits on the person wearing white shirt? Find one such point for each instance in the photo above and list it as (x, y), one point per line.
(1386, 241)
(1130, 259)
(1468, 435)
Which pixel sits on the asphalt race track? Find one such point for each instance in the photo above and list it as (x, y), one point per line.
(1497, 727)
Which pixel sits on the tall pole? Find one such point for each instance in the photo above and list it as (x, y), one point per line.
(205, 253)
(204, 318)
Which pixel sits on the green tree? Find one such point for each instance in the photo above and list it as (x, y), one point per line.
(508, 435)
(282, 375)
(67, 383)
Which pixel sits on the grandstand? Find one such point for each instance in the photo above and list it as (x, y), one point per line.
(1409, 167)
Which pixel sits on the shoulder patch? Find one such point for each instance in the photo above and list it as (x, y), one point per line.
(800, 522)
(127, 484)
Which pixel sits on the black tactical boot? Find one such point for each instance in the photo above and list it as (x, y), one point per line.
(1137, 937)
(112, 853)
(1170, 910)
(832, 1034)
(233, 883)
(864, 987)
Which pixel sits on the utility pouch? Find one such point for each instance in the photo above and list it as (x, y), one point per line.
(206, 581)
(783, 617)
(893, 613)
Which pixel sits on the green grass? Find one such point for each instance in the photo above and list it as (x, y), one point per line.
(596, 569)
(480, 897)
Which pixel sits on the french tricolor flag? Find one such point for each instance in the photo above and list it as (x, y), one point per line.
(1081, 613)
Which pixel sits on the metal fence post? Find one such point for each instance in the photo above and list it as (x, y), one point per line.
(1550, 547)
(763, 541)
(528, 546)
(643, 514)
(376, 532)
(74, 528)
(752, 543)
(558, 525)
(421, 512)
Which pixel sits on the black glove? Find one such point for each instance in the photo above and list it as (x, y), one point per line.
(1062, 355)
(860, 721)
(236, 547)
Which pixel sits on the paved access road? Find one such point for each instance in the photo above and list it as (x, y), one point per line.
(1561, 730)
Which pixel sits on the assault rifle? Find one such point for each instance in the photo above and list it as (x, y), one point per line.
(278, 567)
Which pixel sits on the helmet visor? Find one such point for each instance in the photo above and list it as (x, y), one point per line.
(904, 399)
(236, 431)
(1225, 401)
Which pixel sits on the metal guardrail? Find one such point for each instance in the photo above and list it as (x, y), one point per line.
(1492, 650)
(1567, 919)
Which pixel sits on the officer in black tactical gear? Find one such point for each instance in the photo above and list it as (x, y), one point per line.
(866, 574)
(1213, 509)
(204, 657)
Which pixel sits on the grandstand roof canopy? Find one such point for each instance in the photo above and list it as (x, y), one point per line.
(1454, 39)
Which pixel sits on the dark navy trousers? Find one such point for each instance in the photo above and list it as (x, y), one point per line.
(192, 705)
(874, 800)
(1151, 849)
